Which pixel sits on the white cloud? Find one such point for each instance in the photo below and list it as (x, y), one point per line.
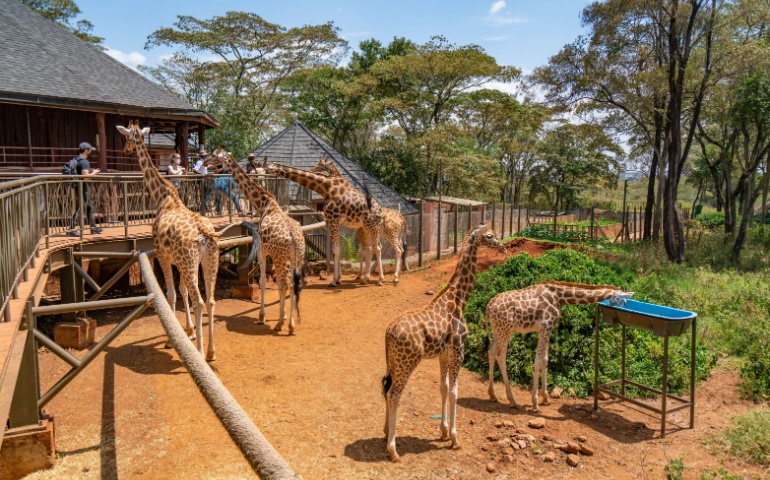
(132, 59)
(496, 7)
(497, 18)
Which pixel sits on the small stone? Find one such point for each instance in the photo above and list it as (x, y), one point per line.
(548, 438)
(508, 458)
(581, 438)
(571, 447)
(498, 424)
(538, 422)
(507, 451)
(431, 292)
(493, 438)
(86, 468)
(519, 430)
(484, 448)
(472, 422)
(586, 450)
(547, 445)
(515, 446)
(491, 467)
(603, 396)
(573, 460)
(549, 457)
(508, 423)
(556, 392)
(504, 443)
(522, 444)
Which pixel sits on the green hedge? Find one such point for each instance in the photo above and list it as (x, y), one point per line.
(571, 348)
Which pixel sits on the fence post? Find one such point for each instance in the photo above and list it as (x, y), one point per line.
(592, 222)
(438, 231)
(470, 217)
(80, 208)
(494, 207)
(328, 250)
(503, 219)
(457, 223)
(555, 213)
(125, 208)
(47, 215)
(421, 236)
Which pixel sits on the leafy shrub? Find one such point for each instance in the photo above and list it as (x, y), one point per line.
(712, 220)
(755, 372)
(571, 347)
(541, 231)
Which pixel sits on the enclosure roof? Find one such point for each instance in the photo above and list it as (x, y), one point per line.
(463, 202)
(42, 63)
(299, 147)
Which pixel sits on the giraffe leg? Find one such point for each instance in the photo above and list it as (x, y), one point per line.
(334, 231)
(502, 355)
(396, 244)
(188, 320)
(378, 253)
(541, 356)
(491, 357)
(444, 385)
(281, 298)
(400, 375)
(190, 277)
(364, 246)
(454, 376)
(210, 262)
(168, 272)
(262, 286)
(367, 256)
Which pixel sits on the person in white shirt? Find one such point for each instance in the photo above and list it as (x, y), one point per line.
(175, 169)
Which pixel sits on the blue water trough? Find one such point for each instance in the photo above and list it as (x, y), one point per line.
(662, 321)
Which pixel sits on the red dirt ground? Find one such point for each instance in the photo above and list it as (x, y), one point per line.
(136, 413)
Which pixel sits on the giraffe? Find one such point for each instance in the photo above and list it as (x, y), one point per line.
(435, 330)
(281, 237)
(181, 238)
(536, 309)
(344, 205)
(393, 228)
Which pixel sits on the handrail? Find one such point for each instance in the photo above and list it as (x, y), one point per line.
(264, 459)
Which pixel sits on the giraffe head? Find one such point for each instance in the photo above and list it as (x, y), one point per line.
(485, 237)
(619, 298)
(219, 158)
(133, 135)
(269, 167)
(326, 167)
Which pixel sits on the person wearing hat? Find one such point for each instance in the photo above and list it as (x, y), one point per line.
(84, 168)
(201, 169)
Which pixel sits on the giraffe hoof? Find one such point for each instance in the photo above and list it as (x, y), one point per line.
(333, 284)
(514, 406)
(395, 458)
(277, 328)
(456, 446)
(444, 436)
(211, 356)
(168, 344)
(379, 284)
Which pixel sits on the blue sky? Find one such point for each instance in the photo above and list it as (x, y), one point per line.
(519, 33)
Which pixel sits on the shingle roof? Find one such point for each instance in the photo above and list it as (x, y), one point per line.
(299, 147)
(42, 62)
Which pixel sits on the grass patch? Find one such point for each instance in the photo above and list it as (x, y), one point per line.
(747, 439)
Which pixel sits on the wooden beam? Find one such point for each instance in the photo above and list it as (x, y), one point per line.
(101, 142)
(201, 136)
(183, 142)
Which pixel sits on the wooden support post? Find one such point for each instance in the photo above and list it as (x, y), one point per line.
(101, 142)
(421, 235)
(184, 143)
(201, 136)
(438, 231)
(457, 225)
(470, 218)
(494, 207)
(592, 223)
(502, 220)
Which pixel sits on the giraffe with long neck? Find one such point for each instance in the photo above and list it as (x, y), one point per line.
(536, 309)
(435, 330)
(281, 238)
(343, 205)
(182, 238)
(393, 224)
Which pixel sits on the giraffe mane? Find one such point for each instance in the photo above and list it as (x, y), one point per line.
(579, 285)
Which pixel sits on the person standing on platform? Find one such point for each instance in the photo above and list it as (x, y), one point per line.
(83, 168)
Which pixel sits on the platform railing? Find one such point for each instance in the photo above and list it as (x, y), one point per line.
(36, 208)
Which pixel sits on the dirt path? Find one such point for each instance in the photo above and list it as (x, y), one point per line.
(135, 412)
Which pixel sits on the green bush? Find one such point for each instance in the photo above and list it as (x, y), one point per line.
(571, 347)
(712, 220)
(755, 372)
(543, 231)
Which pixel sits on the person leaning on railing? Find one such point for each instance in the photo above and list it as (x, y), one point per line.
(175, 169)
(84, 169)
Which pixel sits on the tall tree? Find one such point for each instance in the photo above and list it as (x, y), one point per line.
(250, 57)
(65, 12)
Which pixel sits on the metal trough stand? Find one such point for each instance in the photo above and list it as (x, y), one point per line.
(662, 321)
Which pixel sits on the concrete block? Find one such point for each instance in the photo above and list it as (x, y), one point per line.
(28, 449)
(250, 292)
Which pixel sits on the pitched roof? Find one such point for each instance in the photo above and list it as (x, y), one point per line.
(42, 62)
(299, 147)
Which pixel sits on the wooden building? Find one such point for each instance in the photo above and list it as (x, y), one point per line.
(57, 91)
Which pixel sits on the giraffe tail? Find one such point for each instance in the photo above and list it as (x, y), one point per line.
(297, 277)
(256, 246)
(487, 341)
(387, 380)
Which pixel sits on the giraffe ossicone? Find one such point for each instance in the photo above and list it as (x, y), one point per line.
(434, 330)
(536, 309)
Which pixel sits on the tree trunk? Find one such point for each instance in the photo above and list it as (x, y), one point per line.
(649, 208)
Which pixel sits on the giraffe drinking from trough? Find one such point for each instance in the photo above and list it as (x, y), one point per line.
(536, 309)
